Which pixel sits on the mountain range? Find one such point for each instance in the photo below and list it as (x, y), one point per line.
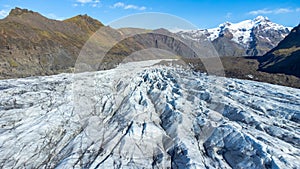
(247, 38)
(31, 44)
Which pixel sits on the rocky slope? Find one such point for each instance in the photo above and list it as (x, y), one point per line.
(247, 38)
(31, 44)
(285, 58)
(247, 68)
(138, 116)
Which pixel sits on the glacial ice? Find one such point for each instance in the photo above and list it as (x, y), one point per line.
(143, 116)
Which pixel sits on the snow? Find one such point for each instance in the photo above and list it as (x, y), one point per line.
(241, 31)
(141, 115)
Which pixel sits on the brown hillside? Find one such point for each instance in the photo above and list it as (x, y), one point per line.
(31, 44)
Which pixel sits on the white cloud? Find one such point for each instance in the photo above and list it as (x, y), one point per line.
(268, 11)
(142, 8)
(3, 13)
(283, 10)
(260, 11)
(93, 3)
(118, 5)
(84, 1)
(131, 7)
(128, 6)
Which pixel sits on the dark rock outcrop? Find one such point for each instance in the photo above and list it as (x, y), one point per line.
(285, 58)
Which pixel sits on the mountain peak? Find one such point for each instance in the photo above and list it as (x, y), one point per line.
(19, 11)
(261, 19)
(242, 35)
(81, 18)
(85, 22)
(85, 17)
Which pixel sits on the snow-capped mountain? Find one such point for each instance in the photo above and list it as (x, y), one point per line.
(143, 116)
(249, 37)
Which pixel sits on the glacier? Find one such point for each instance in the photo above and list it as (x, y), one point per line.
(145, 115)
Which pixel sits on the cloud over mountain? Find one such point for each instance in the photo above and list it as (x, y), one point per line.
(128, 6)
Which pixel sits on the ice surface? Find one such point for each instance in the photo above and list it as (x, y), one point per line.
(147, 116)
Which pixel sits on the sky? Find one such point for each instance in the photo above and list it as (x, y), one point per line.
(201, 13)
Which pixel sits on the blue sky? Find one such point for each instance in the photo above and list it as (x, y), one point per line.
(202, 13)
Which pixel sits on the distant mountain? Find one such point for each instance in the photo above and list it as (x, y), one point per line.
(285, 58)
(247, 38)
